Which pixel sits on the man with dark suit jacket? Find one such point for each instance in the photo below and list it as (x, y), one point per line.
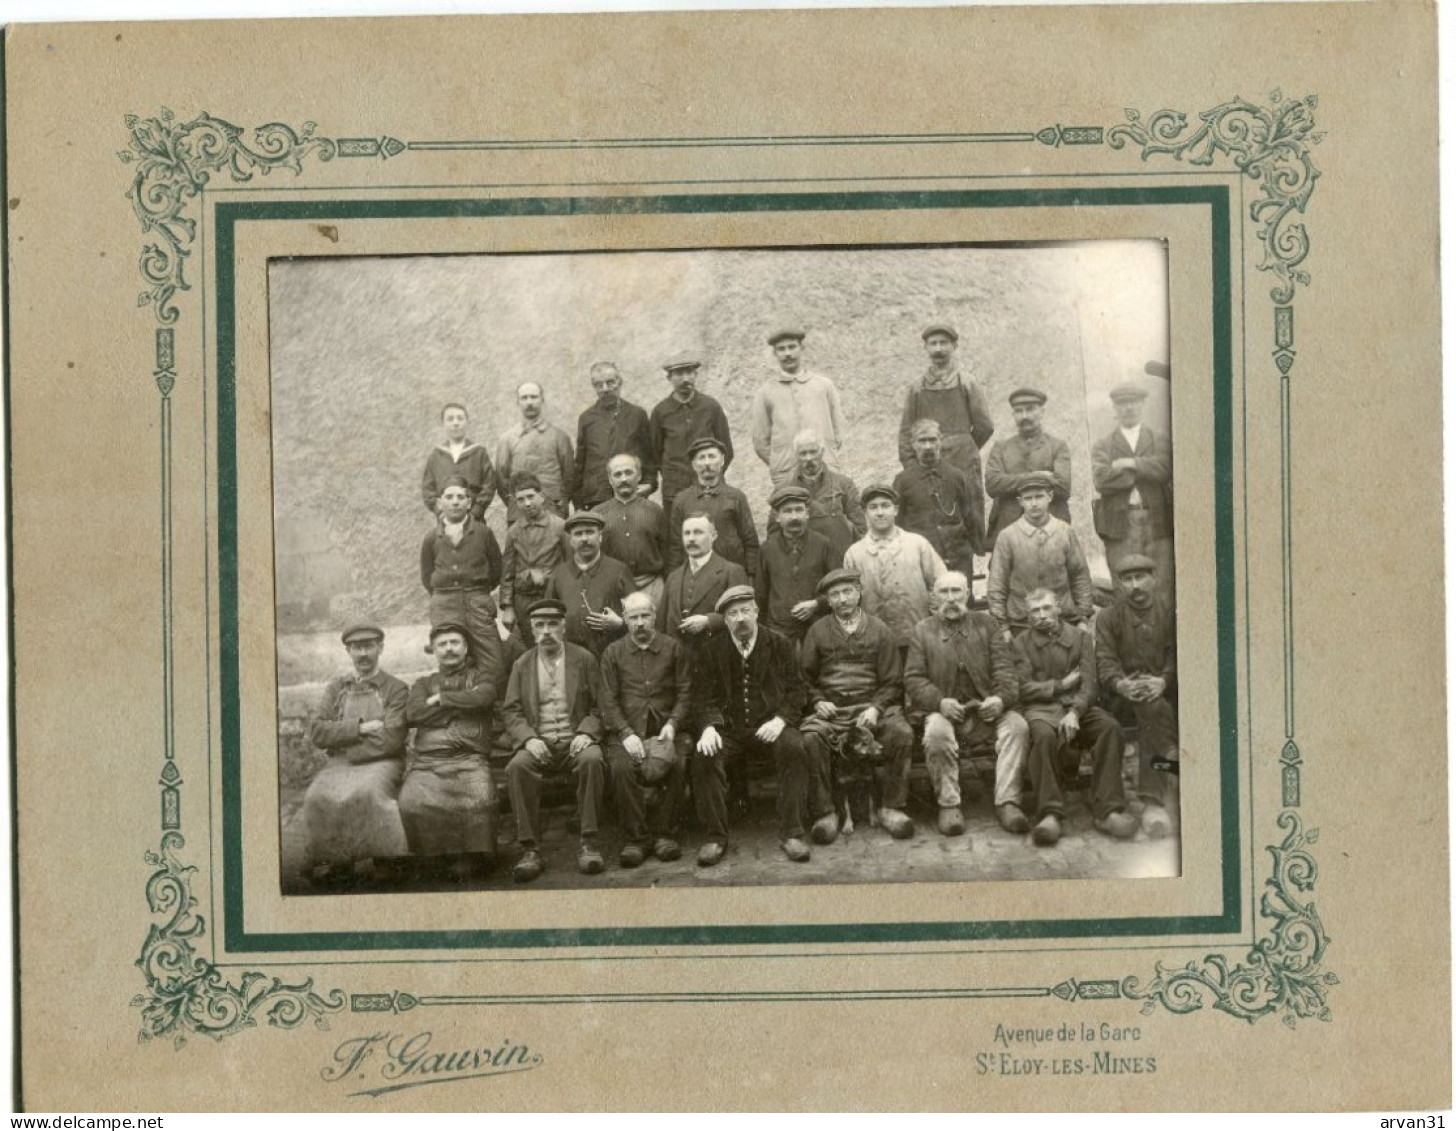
(1132, 469)
(551, 716)
(689, 606)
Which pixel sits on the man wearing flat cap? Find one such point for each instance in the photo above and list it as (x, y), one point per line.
(1137, 665)
(551, 717)
(1132, 469)
(793, 398)
(448, 802)
(954, 401)
(938, 502)
(1038, 551)
(852, 666)
(748, 698)
(1030, 449)
(790, 564)
(897, 568)
(590, 585)
(349, 811)
(680, 418)
(725, 504)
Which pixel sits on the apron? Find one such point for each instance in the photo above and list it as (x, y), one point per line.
(349, 810)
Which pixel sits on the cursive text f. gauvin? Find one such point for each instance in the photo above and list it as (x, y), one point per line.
(409, 1060)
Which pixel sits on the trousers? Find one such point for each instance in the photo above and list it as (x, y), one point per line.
(710, 781)
(524, 777)
(942, 743)
(629, 791)
(1099, 733)
(473, 610)
(891, 766)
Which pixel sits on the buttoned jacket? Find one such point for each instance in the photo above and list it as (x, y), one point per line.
(933, 662)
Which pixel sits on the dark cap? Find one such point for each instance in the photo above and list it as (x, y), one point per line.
(547, 607)
(702, 443)
(682, 361)
(1027, 393)
(1136, 563)
(585, 518)
(785, 335)
(661, 758)
(449, 626)
(926, 427)
(1128, 391)
(787, 493)
(940, 328)
(1158, 369)
(733, 594)
(876, 491)
(1036, 481)
(362, 632)
(835, 577)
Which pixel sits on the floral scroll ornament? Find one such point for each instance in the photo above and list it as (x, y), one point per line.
(1270, 144)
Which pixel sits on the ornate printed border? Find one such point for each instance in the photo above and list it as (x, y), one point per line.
(174, 161)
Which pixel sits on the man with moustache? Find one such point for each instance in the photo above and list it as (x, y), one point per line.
(636, 531)
(796, 397)
(460, 563)
(938, 503)
(955, 402)
(458, 458)
(349, 810)
(551, 717)
(897, 568)
(1038, 551)
(680, 418)
(645, 704)
(590, 585)
(608, 428)
(448, 802)
(540, 448)
(689, 608)
(834, 508)
(1056, 669)
(1132, 469)
(536, 543)
(1012, 459)
(748, 697)
(791, 562)
(960, 679)
(1137, 663)
(726, 505)
(852, 666)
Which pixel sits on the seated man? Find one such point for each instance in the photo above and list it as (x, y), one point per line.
(349, 810)
(748, 694)
(1038, 551)
(1056, 667)
(1137, 663)
(959, 678)
(550, 713)
(852, 666)
(448, 802)
(645, 699)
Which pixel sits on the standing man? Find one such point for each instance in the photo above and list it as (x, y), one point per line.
(606, 429)
(1137, 663)
(460, 563)
(540, 448)
(852, 666)
(795, 398)
(897, 568)
(459, 458)
(956, 403)
(550, 712)
(748, 696)
(646, 697)
(834, 509)
(536, 544)
(636, 531)
(1031, 449)
(448, 803)
(1056, 669)
(1038, 551)
(959, 678)
(349, 811)
(726, 505)
(790, 565)
(938, 502)
(680, 418)
(1132, 469)
(690, 608)
(590, 585)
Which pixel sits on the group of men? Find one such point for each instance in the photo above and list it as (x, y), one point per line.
(655, 649)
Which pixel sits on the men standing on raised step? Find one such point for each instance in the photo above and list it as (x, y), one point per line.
(538, 447)
(349, 811)
(1038, 551)
(748, 698)
(1137, 663)
(689, 609)
(959, 678)
(1132, 468)
(834, 509)
(794, 398)
(636, 531)
(536, 544)
(680, 418)
(460, 563)
(551, 717)
(610, 427)
(459, 458)
(852, 666)
(726, 505)
(1012, 459)
(897, 568)
(1056, 669)
(646, 698)
(591, 585)
(790, 564)
(938, 502)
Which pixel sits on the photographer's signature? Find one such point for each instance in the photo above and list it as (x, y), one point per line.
(412, 1060)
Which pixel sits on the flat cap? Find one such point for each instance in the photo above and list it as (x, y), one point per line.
(835, 577)
(788, 333)
(1158, 369)
(940, 328)
(661, 758)
(876, 491)
(703, 443)
(1128, 391)
(1036, 481)
(1027, 393)
(733, 594)
(547, 607)
(362, 632)
(926, 427)
(682, 361)
(585, 518)
(448, 626)
(1136, 563)
(787, 493)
